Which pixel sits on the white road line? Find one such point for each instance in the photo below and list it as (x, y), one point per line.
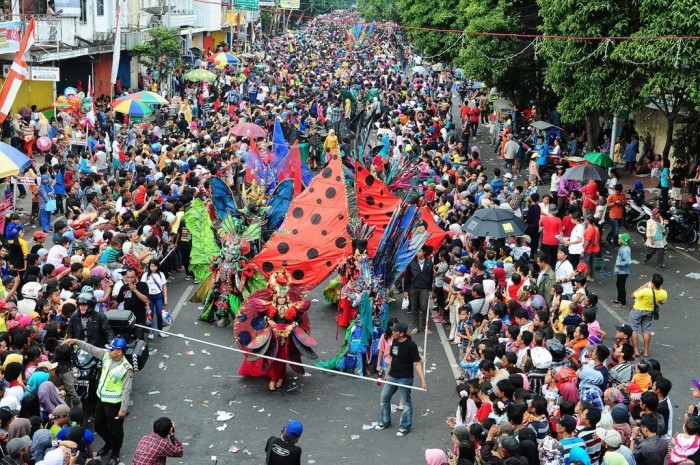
(185, 295)
(682, 252)
(612, 312)
(448, 351)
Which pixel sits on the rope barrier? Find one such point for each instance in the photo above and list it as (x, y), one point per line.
(289, 362)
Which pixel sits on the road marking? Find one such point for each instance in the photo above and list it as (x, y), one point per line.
(612, 312)
(682, 252)
(448, 351)
(180, 303)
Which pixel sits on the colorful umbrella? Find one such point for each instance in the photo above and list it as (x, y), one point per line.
(148, 97)
(199, 75)
(600, 159)
(224, 58)
(12, 161)
(249, 130)
(130, 106)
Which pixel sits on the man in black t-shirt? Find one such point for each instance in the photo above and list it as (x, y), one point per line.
(283, 450)
(404, 358)
(134, 294)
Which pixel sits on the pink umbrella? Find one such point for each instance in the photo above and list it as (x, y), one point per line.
(248, 130)
(44, 144)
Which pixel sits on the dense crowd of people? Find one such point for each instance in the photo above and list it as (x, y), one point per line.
(540, 385)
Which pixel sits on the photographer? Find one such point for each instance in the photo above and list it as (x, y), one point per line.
(156, 447)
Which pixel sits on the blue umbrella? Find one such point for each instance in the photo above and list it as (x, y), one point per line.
(12, 161)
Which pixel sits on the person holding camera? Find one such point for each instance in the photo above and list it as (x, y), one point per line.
(113, 393)
(156, 447)
(283, 450)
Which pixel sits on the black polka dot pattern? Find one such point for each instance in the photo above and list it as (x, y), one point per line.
(298, 212)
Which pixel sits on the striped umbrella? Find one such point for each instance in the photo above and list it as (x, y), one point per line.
(148, 97)
(223, 58)
(131, 106)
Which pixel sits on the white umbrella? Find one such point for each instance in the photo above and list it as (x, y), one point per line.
(419, 69)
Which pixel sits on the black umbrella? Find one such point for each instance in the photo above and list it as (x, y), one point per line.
(494, 222)
(585, 173)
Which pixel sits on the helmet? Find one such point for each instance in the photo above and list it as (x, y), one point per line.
(638, 186)
(31, 290)
(541, 358)
(565, 375)
(86, 298)
(557, 349)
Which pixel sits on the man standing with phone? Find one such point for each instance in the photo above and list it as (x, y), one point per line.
(156, 447)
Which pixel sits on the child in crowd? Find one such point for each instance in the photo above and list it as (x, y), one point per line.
(642, 378)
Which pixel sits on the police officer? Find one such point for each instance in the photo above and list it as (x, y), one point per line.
(113, 392)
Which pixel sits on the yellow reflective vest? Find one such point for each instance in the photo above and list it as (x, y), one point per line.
(111, 384)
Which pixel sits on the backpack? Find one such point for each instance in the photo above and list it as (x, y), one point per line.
(658, 235)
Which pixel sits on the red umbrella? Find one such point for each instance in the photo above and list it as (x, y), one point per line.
(248, 130)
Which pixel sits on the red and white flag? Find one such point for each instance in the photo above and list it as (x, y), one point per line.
(19, 72)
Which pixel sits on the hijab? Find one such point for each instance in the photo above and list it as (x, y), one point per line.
(48, 396)
(19, 427)
(550, 452)
(435, 457)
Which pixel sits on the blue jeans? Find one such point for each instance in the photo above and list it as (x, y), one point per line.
(614, 230)
(45, 220)
(157, 308)
(387, 393)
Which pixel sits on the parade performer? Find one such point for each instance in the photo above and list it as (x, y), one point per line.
(222, 268)
(370, 291)
(274, 322)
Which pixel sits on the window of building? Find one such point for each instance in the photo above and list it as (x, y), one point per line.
(100, 5)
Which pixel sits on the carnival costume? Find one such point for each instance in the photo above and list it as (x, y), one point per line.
(274, 322)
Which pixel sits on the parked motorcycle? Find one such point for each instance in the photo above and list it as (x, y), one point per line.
(636, 211)
(683, 224)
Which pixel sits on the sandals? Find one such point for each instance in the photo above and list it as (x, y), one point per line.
(272, 386)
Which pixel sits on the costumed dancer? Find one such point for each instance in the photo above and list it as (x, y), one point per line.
(223, 269)
(274, 322)
(370, 291)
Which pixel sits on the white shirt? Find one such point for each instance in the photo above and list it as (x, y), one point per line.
(577, 233)
(155, 282)
(562, 271)
(56, 255)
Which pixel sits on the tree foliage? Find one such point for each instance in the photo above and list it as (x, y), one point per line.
(162, 51)
(491, 58)
(439, 14)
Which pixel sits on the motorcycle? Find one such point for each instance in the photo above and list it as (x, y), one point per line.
(86, 370)
(683, 224)
(636, 212)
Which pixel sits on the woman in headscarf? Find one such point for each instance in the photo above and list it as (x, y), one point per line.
(435, 457)
(18, 428)
(331, 145)
(48, 398)
(551, 452)
(622, 269)
(656, 238)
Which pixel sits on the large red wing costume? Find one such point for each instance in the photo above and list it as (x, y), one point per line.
(376, 205)
(313, 237)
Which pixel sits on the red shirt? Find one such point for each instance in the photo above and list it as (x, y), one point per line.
(568, 226)
(591, 236)
(474, 115)
(551, 226)
(590, 195)
(140, 195)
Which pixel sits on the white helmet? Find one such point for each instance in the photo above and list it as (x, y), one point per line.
(541, 358)
(31, 290)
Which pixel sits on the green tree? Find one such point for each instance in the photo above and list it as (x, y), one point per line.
(378, 10)
(162, 51)
(507, 63)
(588, 83)
(438, 14)
(665, 72)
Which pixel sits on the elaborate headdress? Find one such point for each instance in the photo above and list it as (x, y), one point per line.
(359, 233)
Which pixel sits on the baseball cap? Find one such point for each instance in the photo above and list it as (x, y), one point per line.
(39, 235)
(581, 267)
(568, 422)
(17, 445)
(627, 329)
(294, 428)
(61, 410)
(400, 327)
(117, 343)
(42, 252)
(508, 175)
(696, 383)
(48, 365)
(460, 269)
(609, 436)
(80, 233)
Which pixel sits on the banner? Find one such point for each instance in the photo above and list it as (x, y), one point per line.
(117, 51)
(290, 4)
(71, 8)
(10, 36)
(44, 73)
(26, 180)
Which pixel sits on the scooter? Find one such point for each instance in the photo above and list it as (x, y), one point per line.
(683, 224)
(636, 212)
